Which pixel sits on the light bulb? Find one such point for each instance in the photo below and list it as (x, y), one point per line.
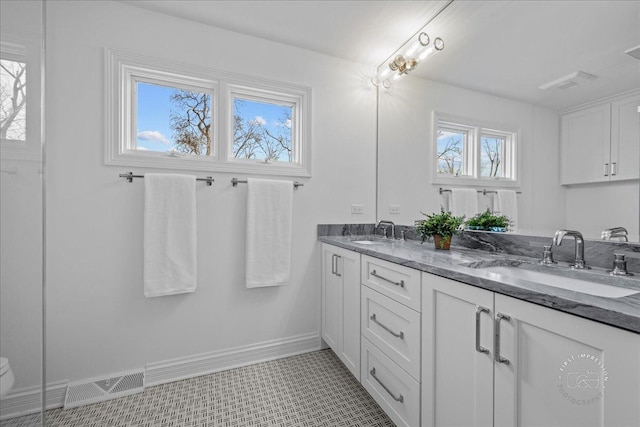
(425, 53)
(414, 47)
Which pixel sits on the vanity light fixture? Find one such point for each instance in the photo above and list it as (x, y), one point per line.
(404, 62)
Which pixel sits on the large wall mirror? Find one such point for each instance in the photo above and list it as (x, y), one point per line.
(497, 56)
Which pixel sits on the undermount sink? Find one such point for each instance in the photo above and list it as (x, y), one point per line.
(372, 242)
(557, 281)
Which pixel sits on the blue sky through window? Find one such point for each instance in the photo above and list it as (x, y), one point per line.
(450, 152)
(154, 117)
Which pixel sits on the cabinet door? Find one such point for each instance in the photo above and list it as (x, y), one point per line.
(625, 138)
(585, 143)
(349, 347)
(331, 296)
(563, 370)
(457, 354)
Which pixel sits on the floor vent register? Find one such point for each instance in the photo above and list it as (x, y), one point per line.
(101, 389)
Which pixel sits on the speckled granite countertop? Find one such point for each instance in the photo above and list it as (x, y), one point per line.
(460, 264)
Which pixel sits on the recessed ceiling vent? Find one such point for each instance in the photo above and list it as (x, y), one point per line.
(570, 80)
(634, 51)
(101, 389)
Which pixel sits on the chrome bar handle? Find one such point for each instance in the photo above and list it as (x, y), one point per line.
(614, 168)
(386, 328)
(397, 399)
(333, 264)
(400, 283)
(479, 348)
(496, 350)
(337, 265)
(606, 169)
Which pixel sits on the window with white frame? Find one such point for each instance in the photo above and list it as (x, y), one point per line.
(20, 94)
(173, 118)
(265, 126)
(170, 115)
(472, 152)
(13, 99)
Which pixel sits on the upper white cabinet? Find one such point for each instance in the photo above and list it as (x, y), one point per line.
(625, 138)
(512, 363)
(601, 143)
(341, 304)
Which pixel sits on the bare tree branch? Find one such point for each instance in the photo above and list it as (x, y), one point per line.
(192, 122)
(13, 99)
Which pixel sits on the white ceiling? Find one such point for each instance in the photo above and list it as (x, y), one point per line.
(508, 48)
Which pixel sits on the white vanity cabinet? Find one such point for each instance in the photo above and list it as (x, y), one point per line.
(601, 142)
(341, 304)
(492, 360)
(391, 338)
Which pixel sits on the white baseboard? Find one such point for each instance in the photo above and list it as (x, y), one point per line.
(28, 401)
(207, 363)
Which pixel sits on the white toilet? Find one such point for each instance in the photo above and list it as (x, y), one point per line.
(6, 376)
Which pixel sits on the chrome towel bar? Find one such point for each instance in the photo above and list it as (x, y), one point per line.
(236, 181)
(483, 191)
(129, 177)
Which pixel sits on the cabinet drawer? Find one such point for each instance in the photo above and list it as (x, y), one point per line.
(393, 328)
(395, 391)
(395, 281)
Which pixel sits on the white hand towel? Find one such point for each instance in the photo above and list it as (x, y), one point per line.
(464, 201)
(507, 204)
(169, 234)
(269, 223)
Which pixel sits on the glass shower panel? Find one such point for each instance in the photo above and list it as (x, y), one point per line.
(21, 213)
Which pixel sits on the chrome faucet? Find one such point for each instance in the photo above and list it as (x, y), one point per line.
(561, 234)
(619, 233)
(386, 224)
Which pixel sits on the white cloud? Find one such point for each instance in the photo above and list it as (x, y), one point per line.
(153, 135)
(259, 120)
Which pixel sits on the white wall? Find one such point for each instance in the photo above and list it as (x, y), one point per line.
(405, 163)
(98, 319)
(594, 207)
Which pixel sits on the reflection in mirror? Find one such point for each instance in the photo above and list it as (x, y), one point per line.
(519, 65)
(21, 213)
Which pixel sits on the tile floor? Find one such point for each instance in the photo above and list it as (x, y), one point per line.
(312, 389)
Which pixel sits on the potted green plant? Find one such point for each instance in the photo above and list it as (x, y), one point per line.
(488, 221)
(442, 226)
